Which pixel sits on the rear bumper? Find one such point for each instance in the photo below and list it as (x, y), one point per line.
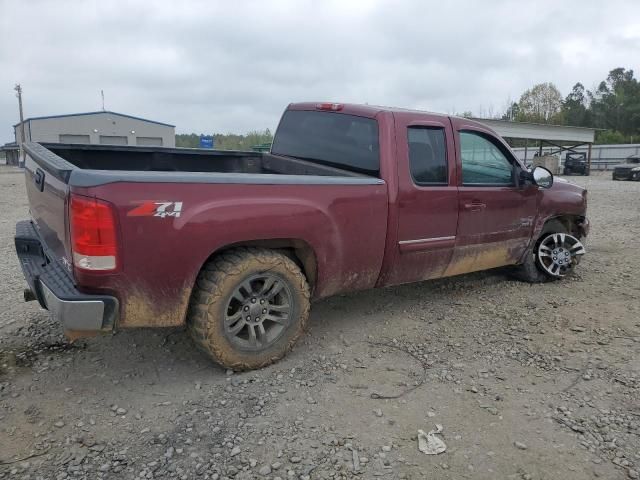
(626, 175)
(53, 287)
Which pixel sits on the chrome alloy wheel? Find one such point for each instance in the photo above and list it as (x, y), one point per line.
(558, 253)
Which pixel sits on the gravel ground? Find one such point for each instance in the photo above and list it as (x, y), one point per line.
(527, 381)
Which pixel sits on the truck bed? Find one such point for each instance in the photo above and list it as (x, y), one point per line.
(159, 159)
(334, 217)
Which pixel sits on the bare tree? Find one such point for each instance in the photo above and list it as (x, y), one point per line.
(542, 103)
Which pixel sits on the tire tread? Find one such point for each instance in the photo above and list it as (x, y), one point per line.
(529, 271)
(208, 294)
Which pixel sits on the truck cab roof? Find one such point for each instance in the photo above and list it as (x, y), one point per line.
(365, 110)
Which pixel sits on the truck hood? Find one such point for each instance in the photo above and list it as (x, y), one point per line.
(627, 165)
(564, 197)
(564, 185)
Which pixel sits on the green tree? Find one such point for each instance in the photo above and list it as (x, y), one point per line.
(575, 107)
(611, 136)
(512, 112)
(229, 141)
(615, 104)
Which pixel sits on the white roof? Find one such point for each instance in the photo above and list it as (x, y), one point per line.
(538, 131)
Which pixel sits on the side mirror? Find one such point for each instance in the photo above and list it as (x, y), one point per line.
(542, 177)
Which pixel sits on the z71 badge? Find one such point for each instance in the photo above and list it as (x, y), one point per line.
(157, 209)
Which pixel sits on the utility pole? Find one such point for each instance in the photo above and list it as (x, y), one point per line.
(102, 94)
(18, 90)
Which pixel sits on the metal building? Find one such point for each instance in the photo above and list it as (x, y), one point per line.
(103, 127)
(9, 154)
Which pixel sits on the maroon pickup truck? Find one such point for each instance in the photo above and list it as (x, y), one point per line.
(237, 244)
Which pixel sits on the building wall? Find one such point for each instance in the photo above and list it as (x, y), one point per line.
(9, 156)
(17, 132)
(13, 157)
(97, 128)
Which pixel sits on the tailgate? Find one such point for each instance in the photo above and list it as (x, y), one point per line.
(47, 177)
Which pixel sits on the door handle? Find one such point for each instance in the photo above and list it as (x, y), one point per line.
(38, 179)
(475, 206)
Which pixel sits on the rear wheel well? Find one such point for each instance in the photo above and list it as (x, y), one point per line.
(297, 250)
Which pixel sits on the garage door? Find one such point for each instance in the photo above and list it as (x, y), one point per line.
(74, 138)
(113, 140)
(149, 141)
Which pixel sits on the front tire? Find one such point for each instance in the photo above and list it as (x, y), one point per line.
(538, 266)
(249, 307)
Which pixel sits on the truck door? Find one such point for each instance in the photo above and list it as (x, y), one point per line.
(496, 213)
(427, 203)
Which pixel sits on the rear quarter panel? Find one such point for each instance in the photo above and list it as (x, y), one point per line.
(345, 225)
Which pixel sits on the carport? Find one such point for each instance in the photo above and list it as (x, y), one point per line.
(562, 137)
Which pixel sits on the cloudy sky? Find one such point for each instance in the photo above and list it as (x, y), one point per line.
(232, 66)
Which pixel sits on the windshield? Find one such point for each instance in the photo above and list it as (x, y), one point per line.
(336, 139)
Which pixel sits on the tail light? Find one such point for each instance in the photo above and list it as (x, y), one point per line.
(93, 234)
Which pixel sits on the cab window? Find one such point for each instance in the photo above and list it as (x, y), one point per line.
(427, 155)
(483, 162)
(335, 139)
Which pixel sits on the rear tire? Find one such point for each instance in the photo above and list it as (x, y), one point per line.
(236, 285)
(530, 271)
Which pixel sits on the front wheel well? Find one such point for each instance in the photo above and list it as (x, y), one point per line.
(297, 250)
(572, 223)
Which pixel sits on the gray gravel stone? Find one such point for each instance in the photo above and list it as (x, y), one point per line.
(264, 471)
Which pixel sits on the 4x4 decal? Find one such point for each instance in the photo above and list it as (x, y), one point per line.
(156, 209)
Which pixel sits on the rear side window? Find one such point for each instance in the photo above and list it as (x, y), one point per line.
(427, 155)
(336, 139)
